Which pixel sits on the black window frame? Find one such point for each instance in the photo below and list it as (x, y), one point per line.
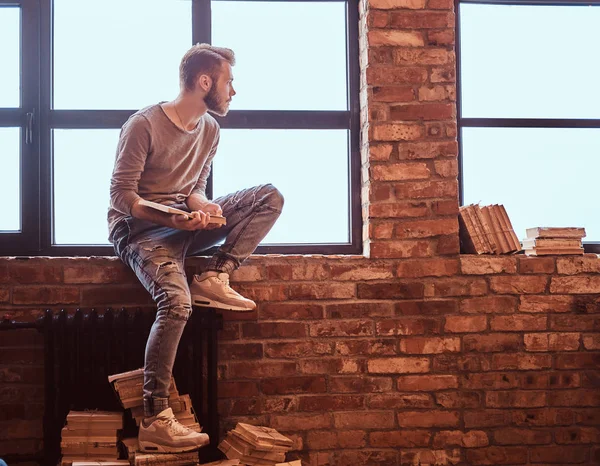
(35, 237)
(591, 247)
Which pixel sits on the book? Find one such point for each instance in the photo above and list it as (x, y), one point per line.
(555, 232)
(216, 219)
(554, 251)
(554, 243)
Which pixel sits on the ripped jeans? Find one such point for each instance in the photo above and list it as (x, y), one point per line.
(156, 254)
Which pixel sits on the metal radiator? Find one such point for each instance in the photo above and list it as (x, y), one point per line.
(82, 349)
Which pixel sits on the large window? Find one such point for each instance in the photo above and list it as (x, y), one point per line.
(74, 71)
(529, 113)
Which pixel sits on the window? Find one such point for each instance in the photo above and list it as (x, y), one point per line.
(74, 71)
(529, 113)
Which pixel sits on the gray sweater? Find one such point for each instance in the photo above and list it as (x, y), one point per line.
(158, 161)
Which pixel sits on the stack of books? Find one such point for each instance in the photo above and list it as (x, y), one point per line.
(129, 389)
(139, 458)
(90, 436)
(545, 241)
(255, 445)
(486, 230)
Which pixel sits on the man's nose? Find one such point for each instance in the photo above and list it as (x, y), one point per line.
(232, 93)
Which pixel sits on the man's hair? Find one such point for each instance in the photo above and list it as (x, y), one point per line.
(203, 59)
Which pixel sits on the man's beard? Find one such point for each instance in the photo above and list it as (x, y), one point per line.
(214, 103)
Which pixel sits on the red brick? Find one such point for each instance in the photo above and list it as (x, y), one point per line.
(377, 56)
(341, 328)
(458, 400)
(421, 20)
(21, 355)
(395, 38)
(486, 418)
(575, 322)
(4, 295)
(381, 151)
(577, 435)
(473, 265)
(519, 361)
(459, 286)
(21, 446)
(386, 75)
(460, 324)
(427, 150)
(291, 311)
(440, 4)
(432, 418)
(400, 439)
(293, 385)
(297, 349)
(536, 265)
(392, 4)
(247, 273)
(429, 456)
(558, 455)
(413, 383)
(261, 369)
(391, 290)
(489, 304)
(324, 440)
(441, 38)
(379, 230)
(322, 291)
(23, 272)
(378, 192)
(428, 228)
(331, 366)
(357, 310)
(515, 436)
(237, 388)
(422, 111)
(518, 323)
(326, 403)
(400, 210)
(546, 303)
(278, 272)
(48, 295)
(296, 422)
(446, 168)
(497, 455)
(397, 365)
(528, 284)
(492, 342)
(267, 292)
(591, 342)
(363, 457)
(577, 361)
(577, 397)
(551, 341)
(409, 326)
(273, 330)
(422, 56)
(377, 18)
(515, 399)
(471, 439)
(364, 420)
(430, 345)
(352, 384)
(393, 94)
(575, 285)
(400, 171)
(427, 268)
(448, 245)
(430, 189)
(445, 207)
(576, 265)
(489, 381)
(400, 401)
(240, 351)
(425, 308)
(396, 131)
(443, 74)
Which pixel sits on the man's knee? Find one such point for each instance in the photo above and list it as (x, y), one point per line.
(273, 198)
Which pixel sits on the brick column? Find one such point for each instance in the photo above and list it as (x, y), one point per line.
(408, 127)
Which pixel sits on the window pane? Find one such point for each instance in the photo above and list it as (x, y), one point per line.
(309, 167)
(10, 89)
(10, 188)
(544, 177)
(290, 55)
(529, 61)
(117, 54)
(83, 164)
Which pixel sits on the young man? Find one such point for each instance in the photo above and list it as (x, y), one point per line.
(164, 155)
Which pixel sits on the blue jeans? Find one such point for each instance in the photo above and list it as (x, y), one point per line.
(156, 254)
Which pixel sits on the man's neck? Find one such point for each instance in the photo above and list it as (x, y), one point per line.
(189, 109)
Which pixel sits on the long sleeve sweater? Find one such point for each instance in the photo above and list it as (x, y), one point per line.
(158, 161)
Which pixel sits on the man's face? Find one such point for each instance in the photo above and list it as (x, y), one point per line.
(219, 96)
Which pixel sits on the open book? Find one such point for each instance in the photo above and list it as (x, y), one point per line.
(173, 210)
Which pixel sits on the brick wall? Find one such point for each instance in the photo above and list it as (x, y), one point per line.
(414, 355)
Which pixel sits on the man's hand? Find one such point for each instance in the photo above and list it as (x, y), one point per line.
(198, 221)
(197, 203)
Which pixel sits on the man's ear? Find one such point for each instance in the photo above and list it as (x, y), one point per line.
(205, 82)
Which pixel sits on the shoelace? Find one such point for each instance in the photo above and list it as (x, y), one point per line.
(176, 427)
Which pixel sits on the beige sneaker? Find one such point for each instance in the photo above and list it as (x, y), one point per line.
(214, 291)
(166, 435)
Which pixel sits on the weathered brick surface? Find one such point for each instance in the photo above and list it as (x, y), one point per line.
(410, 355)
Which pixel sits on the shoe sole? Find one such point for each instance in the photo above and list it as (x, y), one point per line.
(204, 302)
(151, 447)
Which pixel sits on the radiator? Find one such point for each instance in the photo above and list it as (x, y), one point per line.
(83, 348)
